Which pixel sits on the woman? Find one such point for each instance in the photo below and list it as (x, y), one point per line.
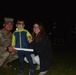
(42, 47)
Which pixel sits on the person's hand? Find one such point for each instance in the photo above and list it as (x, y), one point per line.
(12, 50)
(5, 49)
(29, 39)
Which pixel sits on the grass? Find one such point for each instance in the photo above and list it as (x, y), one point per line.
(64, 63)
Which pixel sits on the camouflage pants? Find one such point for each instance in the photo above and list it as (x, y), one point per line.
(6, 57)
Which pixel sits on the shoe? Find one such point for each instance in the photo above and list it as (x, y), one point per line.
(31, 72)
(43, 73)
(38, 67)
(21, 72)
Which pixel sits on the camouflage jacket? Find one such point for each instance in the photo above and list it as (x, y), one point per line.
(5, 40)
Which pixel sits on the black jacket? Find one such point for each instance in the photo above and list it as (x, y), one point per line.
(43, 49)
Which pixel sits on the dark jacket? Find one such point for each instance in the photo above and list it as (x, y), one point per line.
(19, 38)
(43, 49)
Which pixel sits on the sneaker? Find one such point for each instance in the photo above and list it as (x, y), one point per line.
(21, 72)
(43, 73)
(38, 67)
(31, 72)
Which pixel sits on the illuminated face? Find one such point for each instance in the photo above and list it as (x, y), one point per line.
(20, 25)
(8, 26)
(36, 28)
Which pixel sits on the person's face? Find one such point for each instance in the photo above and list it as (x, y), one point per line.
(36, 28)
(20, 25)
(8, 26)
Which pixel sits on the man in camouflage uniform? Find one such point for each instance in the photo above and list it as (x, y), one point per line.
(5, 41)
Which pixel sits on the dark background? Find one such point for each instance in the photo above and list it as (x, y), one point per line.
(59, 18)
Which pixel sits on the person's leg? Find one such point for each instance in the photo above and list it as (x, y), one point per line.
(37, 60)
(28, 56)
(3, 59)
(32, 56)
(21, 61)
(44, 65)
(12, 58)
(38, 67)
(43, 73)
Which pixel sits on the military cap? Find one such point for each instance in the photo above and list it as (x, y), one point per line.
(8, 20)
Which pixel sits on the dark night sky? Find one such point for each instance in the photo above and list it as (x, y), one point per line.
(61, 14)
(31, 11)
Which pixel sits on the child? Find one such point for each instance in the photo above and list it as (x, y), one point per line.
(20, 40)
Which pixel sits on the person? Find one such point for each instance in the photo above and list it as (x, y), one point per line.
(21, 40)
(5, 41)
(42, 47)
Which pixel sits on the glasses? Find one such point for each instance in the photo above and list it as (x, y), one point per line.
(20, 23)
(35, 27)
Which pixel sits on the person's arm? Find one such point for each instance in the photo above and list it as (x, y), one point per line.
(29, 37)
(0, 39)
(10, 48)
(13, 40)
(29, 34)
(42, 46)
(4, 42)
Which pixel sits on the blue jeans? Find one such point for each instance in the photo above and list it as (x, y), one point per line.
(21, 55)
